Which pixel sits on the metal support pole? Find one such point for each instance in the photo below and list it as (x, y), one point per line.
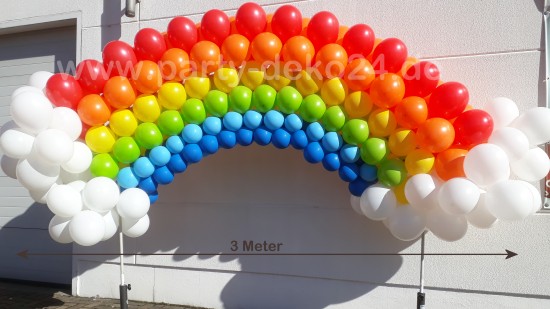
(421, 296)
(123, 288)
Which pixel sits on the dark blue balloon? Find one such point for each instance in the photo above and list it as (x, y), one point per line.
(163, 175)
(331, 162)
(293, 123)
(281, 138)
(209, 144)
(299, 139)
(192, 153)
(227, 139)
(148, 185)
(245, 137)
(176, 164)
(358, 186)
(368, 172)
(153, 197)
(348, 172)
(313, 153)
(262, 136)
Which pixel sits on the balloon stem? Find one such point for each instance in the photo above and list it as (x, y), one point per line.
(421, 296)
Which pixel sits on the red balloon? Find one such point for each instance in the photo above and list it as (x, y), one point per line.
(149, 45)
(389, 56)
(472, 127)
(118, 58)
(421, 79)
(64, 90)
(286, 22)
(215, 26)
(448, 100)
(182, 33)
(323, 29)
(358, 40)
(250, 20)
(91, 76)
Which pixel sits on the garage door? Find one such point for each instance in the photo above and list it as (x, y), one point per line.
(23, 223)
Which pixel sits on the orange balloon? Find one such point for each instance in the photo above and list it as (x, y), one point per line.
(93, 111)
(298, 53)
(435, 135)
(342, 31)
(266, 47)
(305, 23)
(147, 77)
(175, 65)
(387, 90)
(331, 60)
(119, 93)
(411, 112)
(450, 163)
(359, 74)
(269, 19)
(205, 57)
(235, 50)
(233, 25)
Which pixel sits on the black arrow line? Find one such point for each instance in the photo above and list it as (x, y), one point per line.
(508, 254)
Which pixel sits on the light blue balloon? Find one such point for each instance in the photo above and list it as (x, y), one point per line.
(212, 125)
(332, 142)
(233, 121)
(159, 156)
(350, 153)
(315, 132)
(252, 119)
(293, 123)
(127, 179)
(143, 167)
(274, 120)
(174, 144)
(191, 133)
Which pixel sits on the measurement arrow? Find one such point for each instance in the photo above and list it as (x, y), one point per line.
(25, 254)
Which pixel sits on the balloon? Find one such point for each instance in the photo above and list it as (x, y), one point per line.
(435, 135)
(204, 57)
(389, 56)
(331, 162)
(163, 176)
(146, 108)
(331, 61)
(281, 139)
(53, 146)
(119, 93)
(263, 98)
(148, 77)
(534, 123)
(273, 120)
(368, 172)
(406, 223)
(135, 228)
(355, 131)
(480, 217)
(58, 229)
(350, 153)
(228, 139)
(111, 220)
(148, 135)
(533, 166)
(411, 112)
(307, 83)
(401, 142)
(422, 192)
(374, 150)
(359, 40)
(143, 167)
(31, 111)
(91, 76)
(286, 22)
(66, 120)
(445, 226)
(334, 91)
(358, 104)
(387, 90)
(212, 125)
(36, 176)
(149, 44)
(298, 53)
(235, 50)
(25, 89)
(503, 111)
(215, 26)
(174, 65)
(216, 103)
(64, 201)
(67, 177)
(80, 159)
(9, 166)
(118, 58)
(226, 79)
(450, 163)
(123, 122)
(192, 153)
(182, 33)
(512, 141)
(100, 194)
(382, 122)
(313, 153)
(250, 20)
(421, 79)
(93, 110)
(252, 119)
(458, 196)
(359, 74)
(15, 143)
(103, 164)
(126, 178)
(100, 139)
(332, 142)
(170, 123)
(323, 29)
(472, 127)
(288, 100)
(87, 228)
(197, 87)
(419, 161)
(509, 200)
(537, 198)
(193, 111)
(349, 172)
(240, 99)
(192, 133)
(448, 100)
(486, 164)
(63, 90)
(39, 79)
(133, 204)
(392, 172)
(253, 73)
(266, 48)
(378, 202)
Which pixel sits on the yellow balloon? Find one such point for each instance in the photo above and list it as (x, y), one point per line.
(381, 122)
(419, 161)
(402, 142)
(100, 139)
(278, 76)
(252, 75)
(334, 91)
(226, 79)
(146, 108)
(123, 122)
(308, 84)
(358, 104)
(172, 95)
(197, 87)
(399, 192)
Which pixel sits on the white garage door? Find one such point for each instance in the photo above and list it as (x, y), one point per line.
(23, 223)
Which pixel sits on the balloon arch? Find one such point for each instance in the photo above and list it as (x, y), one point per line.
(95, 146)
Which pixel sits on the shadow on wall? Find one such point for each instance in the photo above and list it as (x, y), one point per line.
(110, 21)
(542, 67)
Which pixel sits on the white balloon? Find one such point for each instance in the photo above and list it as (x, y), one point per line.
(16, 143)
(31, 111)
(486, 164)
(35, 177)
(537, 198)
(445, 226)
(59, 229)
(67, 120)
(378, 201)
(509, 200)
(458, 196)
(39, 79)
(535, 123)
(9, 125)
(78, 185)
(80, 160)
(100, 194)
(406, 224)
(67, 177)
(533, 166)
(24, 89)
(356, 204)
(133, 203)
(421, 192)
(64, 201)
(512, 141)
(87, 228)
(9, 166)
(481, 217)
(503, 111)
(41, 195)
(53, 146)
(135, 228)
(112, 221)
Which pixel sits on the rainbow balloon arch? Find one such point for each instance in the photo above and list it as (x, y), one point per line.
(95, 146)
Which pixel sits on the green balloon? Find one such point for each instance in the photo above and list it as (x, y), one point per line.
(392, 172)
(355, 131)
(313, 108)
(193, 111)
(126, 150)
(148, 135)
(263, 98)
(170, 122)
(374, 150)
(288, 99)
(240, 99)
(215, 103)
(104, 165)
(334, 118)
